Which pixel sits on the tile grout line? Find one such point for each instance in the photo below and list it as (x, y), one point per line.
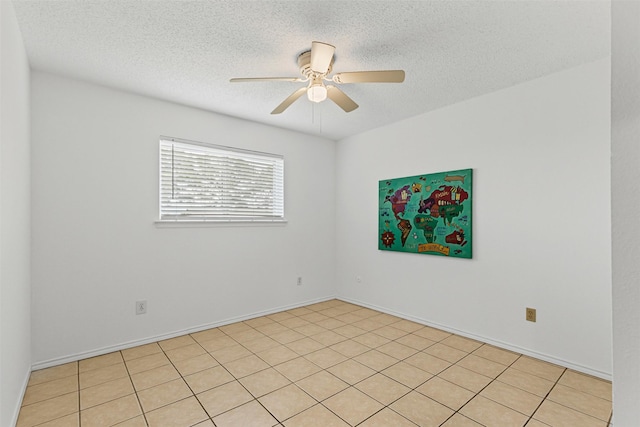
(432, 375)
(529, 417)
(243, 386)
(135, 391)
(547, 395)
(193, 394)
(300, 379)
(568, 407)
(412, 389)
(415, 389)
(352, 358)
(491, 382)
(79, 391)
(384, 406)
(80, 410)
(318, 402)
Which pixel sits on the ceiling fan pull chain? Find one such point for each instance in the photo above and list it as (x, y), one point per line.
(313, 116)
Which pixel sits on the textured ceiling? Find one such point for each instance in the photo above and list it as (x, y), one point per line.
(186, 51)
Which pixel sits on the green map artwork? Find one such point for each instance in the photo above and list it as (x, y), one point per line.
(426, 214)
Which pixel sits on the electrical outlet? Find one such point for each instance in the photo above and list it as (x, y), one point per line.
(141, 307)
(299, 281)
(531, 314)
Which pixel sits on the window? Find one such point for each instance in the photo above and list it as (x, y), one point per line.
(204, 182)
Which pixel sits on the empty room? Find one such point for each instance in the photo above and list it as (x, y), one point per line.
(329, 213)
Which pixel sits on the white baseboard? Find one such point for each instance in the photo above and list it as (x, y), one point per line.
(129, 344)
(16, 410)
(561, 362)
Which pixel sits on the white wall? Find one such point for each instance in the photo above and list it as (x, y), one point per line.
(625, 184)
(15, 312)
(96, 249)
(541, 226)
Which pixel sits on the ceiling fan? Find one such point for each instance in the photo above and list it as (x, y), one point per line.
(315, 66)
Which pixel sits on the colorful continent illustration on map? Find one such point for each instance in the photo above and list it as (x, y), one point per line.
(427, 214)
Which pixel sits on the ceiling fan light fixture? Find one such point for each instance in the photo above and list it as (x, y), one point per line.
(317, 93)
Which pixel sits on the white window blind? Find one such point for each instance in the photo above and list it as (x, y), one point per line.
(205, 182)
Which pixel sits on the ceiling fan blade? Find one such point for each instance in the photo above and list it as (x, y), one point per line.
(387, 76)
(290, 100)
(266, 79)
(321, 56)
(341, 98)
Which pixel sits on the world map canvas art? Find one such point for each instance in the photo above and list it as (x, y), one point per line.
(426, 214)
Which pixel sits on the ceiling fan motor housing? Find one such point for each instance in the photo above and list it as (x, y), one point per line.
(304, 62)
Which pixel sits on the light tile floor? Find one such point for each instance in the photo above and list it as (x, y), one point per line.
(327, 364)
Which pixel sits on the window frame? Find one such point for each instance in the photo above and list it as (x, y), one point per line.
(169, 220)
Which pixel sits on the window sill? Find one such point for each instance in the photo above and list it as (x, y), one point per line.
(174, 223)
